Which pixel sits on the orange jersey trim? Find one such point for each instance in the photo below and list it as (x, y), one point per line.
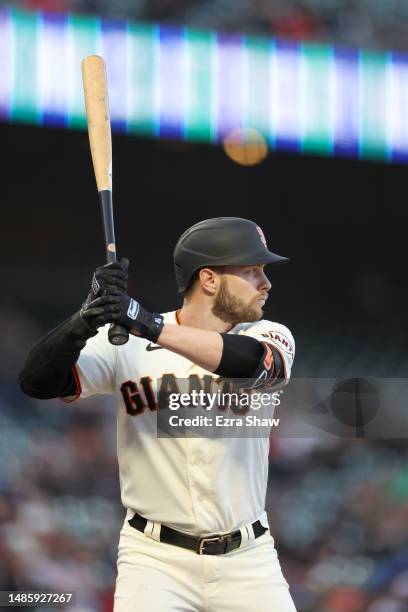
(78, 388)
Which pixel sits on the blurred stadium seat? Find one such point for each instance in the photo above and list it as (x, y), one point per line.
(378, 24)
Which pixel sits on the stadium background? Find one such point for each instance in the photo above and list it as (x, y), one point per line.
(338, 508)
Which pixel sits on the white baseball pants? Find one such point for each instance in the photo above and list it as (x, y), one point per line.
(158, 577)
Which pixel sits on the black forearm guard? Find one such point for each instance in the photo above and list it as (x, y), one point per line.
(255, 363)
(47, 372)
(240, 356)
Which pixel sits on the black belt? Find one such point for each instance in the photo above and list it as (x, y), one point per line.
(210, 545)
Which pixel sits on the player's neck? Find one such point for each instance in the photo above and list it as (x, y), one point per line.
(200, 316)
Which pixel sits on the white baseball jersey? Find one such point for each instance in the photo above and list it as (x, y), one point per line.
(196, 485)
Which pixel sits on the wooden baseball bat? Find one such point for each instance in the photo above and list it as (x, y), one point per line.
(100, 140)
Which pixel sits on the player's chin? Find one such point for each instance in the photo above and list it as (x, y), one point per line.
(259, 306)
(255, 314)
(260, 314)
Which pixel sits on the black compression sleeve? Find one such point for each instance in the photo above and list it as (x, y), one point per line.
(241, 356)
(48, 369)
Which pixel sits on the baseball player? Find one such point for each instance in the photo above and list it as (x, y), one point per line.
(196, 535)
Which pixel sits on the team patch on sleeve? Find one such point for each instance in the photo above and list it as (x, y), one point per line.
(280, 340)
(275, 367)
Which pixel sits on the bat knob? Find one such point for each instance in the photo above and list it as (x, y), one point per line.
(118, 335)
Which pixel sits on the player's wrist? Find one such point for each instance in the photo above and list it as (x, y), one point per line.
(143, 323)
(139, 321)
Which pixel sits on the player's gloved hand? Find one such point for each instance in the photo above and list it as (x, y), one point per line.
(131, 314)
(110, 278)
(84, 323)
(108, 283)
(100, 311)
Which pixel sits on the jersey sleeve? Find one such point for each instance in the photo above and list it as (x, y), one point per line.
(96, 366)
(276, 364)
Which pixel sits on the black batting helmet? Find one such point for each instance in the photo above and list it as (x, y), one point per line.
(223, 241)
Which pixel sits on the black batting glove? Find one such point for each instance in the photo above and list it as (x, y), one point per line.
(139, 321)
(110, 278)
(100, 311)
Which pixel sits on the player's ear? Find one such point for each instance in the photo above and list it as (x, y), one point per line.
(209, 280)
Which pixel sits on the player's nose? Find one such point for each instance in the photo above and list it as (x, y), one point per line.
(265, 284)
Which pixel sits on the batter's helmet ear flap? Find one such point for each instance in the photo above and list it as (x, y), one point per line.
(223, 241)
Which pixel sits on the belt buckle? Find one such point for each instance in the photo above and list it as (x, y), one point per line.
(219, 538)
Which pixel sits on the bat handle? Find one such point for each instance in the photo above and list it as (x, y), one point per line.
(117, 334)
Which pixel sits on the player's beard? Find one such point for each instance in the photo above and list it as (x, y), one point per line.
(232, 309)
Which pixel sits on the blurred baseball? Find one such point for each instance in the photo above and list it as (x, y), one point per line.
(245, 146)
